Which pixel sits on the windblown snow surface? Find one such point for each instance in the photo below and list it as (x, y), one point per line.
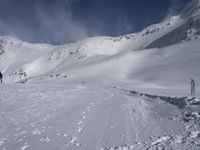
(126, 93)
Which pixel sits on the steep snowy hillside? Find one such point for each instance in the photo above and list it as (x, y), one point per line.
(25, 60)
(126, 93)
(188, 31)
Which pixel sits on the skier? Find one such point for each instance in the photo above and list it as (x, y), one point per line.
(1, 77)
(192, 87)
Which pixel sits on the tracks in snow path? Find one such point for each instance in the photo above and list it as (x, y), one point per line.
(97, 118)
(82, 123)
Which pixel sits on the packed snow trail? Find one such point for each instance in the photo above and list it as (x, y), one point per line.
(36, 116)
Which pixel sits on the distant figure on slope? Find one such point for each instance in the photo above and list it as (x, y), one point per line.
(192, 87)
(1, 77)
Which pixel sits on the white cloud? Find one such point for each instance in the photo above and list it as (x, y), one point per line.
(174, 8)
(58, 23)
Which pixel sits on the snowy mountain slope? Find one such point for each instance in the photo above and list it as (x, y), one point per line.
(188, 31)
(168, 67)
(37, 59)
(104, 93)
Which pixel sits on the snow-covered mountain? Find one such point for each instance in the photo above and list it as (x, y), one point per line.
(189, 30)
(20, 60)
(128, 92)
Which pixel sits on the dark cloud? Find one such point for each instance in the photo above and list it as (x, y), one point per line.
(61, 21)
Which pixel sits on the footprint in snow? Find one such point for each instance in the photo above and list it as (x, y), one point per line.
(80, 130)
(92, 104)
(88, 108)
(20, 140)
(17, 129)
(80, 122)
(23, 132)
(58, 134)
(25, 146)
(73, 140)
(32, 124)
(45, 139)
(83, 113)
(2, 141)
(36, 132)
(112, 127)
(84, 117)
(78, 144)
(61, 134)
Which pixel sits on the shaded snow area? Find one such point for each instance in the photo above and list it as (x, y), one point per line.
(130, 92)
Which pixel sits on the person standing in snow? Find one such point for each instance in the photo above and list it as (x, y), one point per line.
(1, 77)
(192, 87)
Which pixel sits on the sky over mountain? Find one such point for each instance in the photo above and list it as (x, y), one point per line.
(62, 21)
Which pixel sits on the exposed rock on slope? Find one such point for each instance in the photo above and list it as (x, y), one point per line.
(188, 31)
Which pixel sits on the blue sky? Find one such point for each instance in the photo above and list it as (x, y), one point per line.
(62, 21)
